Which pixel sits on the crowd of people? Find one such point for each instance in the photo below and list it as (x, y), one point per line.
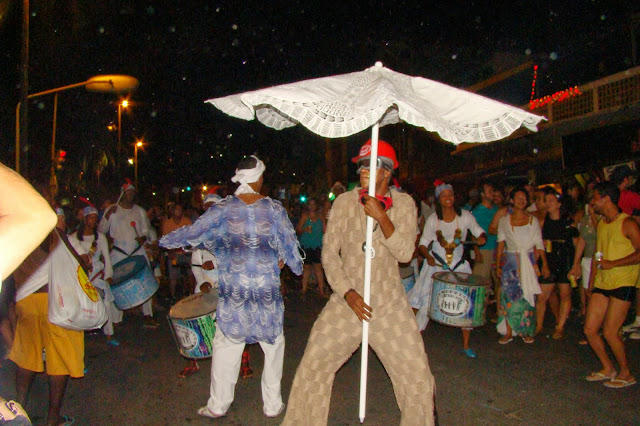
(530, 246)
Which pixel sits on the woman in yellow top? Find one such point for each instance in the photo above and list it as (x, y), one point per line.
(612, 284)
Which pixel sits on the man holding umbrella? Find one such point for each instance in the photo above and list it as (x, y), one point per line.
(393, 332)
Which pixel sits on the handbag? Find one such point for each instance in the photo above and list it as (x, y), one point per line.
(74, 302)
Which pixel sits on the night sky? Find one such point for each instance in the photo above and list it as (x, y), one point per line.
(184, 52)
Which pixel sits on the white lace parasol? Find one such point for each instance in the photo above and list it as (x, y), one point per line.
(342, 105)
(346, 104)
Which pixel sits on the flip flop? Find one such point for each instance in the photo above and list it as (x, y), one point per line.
(205, 412)
(470, 353)
(616, 383)
(504, 341)
(596, 376)
(188, 371)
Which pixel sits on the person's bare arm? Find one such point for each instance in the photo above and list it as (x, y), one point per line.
(493, 227)
(25, 220)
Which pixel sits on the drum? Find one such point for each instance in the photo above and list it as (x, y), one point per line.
(193, 323)
(133, 282)
(458, 299)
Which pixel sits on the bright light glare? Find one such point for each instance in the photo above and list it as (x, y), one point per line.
(125, 103)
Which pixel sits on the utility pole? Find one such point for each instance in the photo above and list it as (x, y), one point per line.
(24, 86)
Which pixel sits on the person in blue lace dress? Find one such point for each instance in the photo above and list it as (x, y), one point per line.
(252, 238)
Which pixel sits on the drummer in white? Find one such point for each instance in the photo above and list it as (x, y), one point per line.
(94, 250)
(127, 223)
(441, 246)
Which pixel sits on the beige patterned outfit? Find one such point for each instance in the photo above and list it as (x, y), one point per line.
(393, 332)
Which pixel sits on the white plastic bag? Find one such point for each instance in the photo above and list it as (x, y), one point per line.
(74, 302)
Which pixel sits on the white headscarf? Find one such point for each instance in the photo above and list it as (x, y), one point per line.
(247, 176)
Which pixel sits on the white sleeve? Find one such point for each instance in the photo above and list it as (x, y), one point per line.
(145, 225)
(104, 224)
(198, 274)
(472, 224)
(429, 231)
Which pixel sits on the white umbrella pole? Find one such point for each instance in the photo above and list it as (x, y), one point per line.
(367, 272)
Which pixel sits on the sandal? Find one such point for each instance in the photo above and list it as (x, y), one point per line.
(528, 339)
(188, 371)
(597, 376)
(204, 411)
(504, 340)
(557, 334)
(616, 383)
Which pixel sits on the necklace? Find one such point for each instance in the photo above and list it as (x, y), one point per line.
(449, 246)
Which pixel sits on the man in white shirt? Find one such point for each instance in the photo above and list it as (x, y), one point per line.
(128, 225)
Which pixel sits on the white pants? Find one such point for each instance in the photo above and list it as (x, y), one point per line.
(147, 308)
(114, 316)
(226, 356)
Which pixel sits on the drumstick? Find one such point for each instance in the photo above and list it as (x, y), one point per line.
(133, 224)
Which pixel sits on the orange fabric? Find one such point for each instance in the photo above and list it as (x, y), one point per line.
(170, 225)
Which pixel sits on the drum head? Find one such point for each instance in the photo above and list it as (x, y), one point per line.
(461, 278)
(195, 305)
(127, 268)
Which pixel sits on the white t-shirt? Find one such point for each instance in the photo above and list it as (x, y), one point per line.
(466, 222)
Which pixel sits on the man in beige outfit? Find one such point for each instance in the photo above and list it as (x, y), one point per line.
(393, 332)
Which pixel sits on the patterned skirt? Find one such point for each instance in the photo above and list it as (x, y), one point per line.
(514, 308)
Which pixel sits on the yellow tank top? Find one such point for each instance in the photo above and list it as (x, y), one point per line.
(614, 245)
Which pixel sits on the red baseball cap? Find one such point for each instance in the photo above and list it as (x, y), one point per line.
(384, 150)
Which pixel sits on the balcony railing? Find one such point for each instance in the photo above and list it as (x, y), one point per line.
(614, 91)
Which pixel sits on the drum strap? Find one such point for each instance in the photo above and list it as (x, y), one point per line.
(101, 274)
(444, 264)
(116, 248)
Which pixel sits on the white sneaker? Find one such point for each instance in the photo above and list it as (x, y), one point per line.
(630, 328)
(635, 335)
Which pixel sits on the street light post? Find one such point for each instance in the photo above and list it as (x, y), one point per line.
(124, 104)
(138, 144)
(100, 83)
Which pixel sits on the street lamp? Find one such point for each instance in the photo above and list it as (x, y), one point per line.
(124, 104)
(138, 144)
(101, 83)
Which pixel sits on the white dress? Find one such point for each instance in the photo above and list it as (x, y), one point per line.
(420, 294)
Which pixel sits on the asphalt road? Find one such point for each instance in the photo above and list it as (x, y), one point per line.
(137, 382)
